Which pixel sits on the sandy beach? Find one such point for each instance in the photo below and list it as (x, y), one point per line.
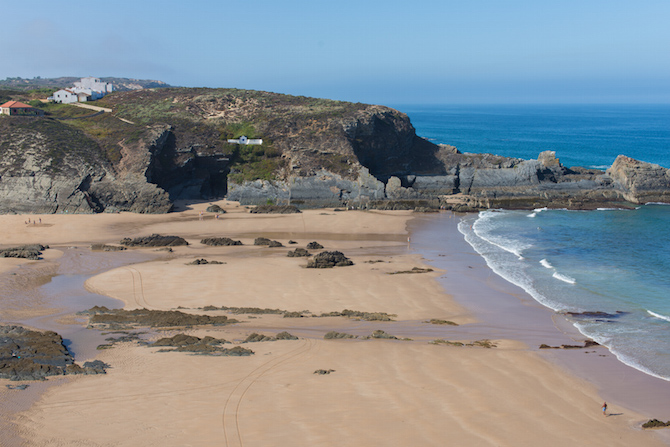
(401, 392)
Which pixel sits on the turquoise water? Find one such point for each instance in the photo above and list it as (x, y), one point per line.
(581, 135)
(616, 262)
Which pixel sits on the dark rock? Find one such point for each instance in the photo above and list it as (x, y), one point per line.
(190, 343)
(441, 322)
(255, 337)
(285, 336)
(32, 251)
(324, 371)
(587, 344)
(33, 355)
(314, 246)
(328, 259)
(203, 262)
(381, 334)
(358, 315)
(215, 209)
(414, 270)
(655, 423)
(266, 241)
(219, 241)
(274, 209)
(104, 247)
(291, 242)
(333, 335)
(597, 314)
(102, 317)
(298, 253)
(155, 240)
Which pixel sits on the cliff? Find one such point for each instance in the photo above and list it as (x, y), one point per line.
(160, 145)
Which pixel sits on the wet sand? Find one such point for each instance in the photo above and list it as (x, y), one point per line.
(380, 392)
(515, 314)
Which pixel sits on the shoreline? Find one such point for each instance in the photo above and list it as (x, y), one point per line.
(615, 380)
(378, 387)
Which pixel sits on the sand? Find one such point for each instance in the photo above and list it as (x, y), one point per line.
(402, 392)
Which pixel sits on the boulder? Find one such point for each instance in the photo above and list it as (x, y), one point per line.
(298, 253)
(329, 259)
(155, 240)
(219, 241)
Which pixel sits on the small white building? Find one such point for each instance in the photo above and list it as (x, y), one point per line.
(244, 140)
(64, 96)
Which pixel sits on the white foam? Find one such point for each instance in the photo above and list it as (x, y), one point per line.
(480, 228)
(564, 278)
(546, 264)
(627, 360)
(513, 275)
(532, 214)
(659, 316)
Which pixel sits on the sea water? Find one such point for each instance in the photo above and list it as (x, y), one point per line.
(613, 264)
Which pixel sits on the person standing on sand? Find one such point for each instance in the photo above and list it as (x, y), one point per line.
(604, 408)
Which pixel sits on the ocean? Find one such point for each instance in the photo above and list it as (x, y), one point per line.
(610, 268)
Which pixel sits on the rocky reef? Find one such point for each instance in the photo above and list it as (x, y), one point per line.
(33, 355)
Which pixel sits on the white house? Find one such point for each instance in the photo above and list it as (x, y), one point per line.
(88, 89)
(64, 96)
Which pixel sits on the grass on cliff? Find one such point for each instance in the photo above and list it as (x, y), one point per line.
(58, 143)
(250, 163)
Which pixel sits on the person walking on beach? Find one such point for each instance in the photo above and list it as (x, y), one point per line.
(604, 408)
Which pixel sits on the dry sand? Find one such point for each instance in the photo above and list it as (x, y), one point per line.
(381, 392)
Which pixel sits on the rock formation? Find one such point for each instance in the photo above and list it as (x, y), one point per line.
(171, 143)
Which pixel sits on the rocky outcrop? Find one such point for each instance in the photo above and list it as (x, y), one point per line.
(219, 241)
(299, 253)
(329, 259)
(640, 182)
(155, 240)
(33, 355)
(32, 251)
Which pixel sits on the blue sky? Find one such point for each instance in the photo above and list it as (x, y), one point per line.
(384, 52)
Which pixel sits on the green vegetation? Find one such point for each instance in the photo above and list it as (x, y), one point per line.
(59, 144)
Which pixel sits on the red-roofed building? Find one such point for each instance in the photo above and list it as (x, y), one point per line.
(15, 108)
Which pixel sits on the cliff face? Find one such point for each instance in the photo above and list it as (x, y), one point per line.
(47, 167)
(161, 145)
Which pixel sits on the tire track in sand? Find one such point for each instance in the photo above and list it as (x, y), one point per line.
(231, 410)
(138, 289)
